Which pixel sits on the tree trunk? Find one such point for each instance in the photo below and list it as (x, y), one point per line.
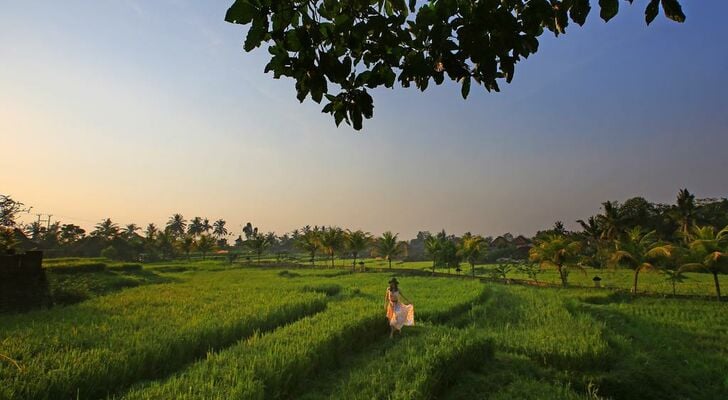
(433, 267)
(717, 285)
(472, 267)
(332, 259)
(674, 293)
(561, 275)
(390, 262)
(353, 266)
(636, 275)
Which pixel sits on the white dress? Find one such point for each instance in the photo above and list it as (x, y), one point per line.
(399, 314)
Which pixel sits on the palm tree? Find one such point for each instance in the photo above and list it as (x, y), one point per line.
(165, 242)
(218, 229)
(106, 230)
(708, 251)
(556, 251)
(205, 244)
(674, 276)
(259, 243)
(470, 249)
(332, 239)
(35, 230)
(591, 234)
(130, 230)
(309, 241)
(684, 212)
(641, 252)
(206, 227)
(610, 221)
(151, 232)
(186, 244)
(176, 225)
(388, 246)
(433, 248)
(196, 226)
(356, 242)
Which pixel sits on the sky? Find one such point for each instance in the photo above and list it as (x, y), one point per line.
(135, 110)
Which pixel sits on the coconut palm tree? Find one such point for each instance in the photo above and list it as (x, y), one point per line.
(35, 230)
(151, 232)
(591, 234)
(471, 247)
(196, 227)
(640, 252)
(356, 242)
(259, 243)
(165, 243)
(674, 276)
(708, 251)
(206, 227)
(388, 246)
(611, 221)
(205, 244)
(433, 248)
(684, 212)
(106, 230)
(309, 242)
(218, 229)
(130, 230)
(591, 230)
(186, 244)
(556, 251)
(176, 225)
(332, 240)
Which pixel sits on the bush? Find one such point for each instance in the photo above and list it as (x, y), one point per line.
(75, 268)
(126, 267)
(110, 252)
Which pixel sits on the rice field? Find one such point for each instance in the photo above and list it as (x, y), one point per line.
(209, 330)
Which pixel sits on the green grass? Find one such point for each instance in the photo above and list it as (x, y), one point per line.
(73, 288)
(101, 345)
(218, 331)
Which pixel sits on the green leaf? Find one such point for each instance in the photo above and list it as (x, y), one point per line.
(412, 5)
(465, 89)
(652, 9)
(256, 34)
(673, 10)
(356, 118)
(241, 12)
(292, 41)
(579, 11)
(609, 9)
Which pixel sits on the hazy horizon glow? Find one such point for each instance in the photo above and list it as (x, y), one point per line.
(135, 111)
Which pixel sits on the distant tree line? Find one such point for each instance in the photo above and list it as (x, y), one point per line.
(688, 235)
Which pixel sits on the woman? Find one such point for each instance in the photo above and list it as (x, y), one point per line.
(398, 314)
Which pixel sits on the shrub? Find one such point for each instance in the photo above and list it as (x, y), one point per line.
(110, 252)
(126, 267)
(75, 268)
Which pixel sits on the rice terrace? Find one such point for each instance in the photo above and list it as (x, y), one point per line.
(174, 224)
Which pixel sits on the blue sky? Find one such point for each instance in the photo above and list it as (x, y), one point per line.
(135, 110)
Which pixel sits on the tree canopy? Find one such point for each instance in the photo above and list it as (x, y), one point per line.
(337, 49)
